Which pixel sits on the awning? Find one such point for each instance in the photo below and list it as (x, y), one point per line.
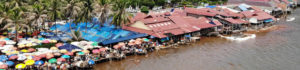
(268, 20)
(123, 39)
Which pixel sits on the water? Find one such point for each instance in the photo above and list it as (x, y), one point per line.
(276, 48)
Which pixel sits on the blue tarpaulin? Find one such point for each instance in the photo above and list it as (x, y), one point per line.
(123, 39)
(243, 8)
(268, 20)
(213, 6)
(68, 47)
(96, 32)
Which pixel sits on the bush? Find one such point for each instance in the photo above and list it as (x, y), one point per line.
(145, 9)
(49, 45)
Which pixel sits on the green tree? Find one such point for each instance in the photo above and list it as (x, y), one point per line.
(120, 16)
(145, 9)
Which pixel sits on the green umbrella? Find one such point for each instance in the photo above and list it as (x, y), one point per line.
(80, 53)
(95, 44)
(53, 60)
(146, 40)
(65, 56)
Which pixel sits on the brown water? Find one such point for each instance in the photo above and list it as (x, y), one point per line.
(277, 48)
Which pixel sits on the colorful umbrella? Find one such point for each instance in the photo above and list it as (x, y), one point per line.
(3, 58)
(21, 57)
(59, 44)
(37, 58)
(13, 57)
(63, 51)
(86, 51)
(24, 51)
(116, 46)
(95, 44)
(131, 43)
(31, 50)
(29, 62)
(80, 53)
(39, 63)
(95, 51)
(65, 56)
(43, 55)
(102, 49)
(57, 54)
(146, 40)
(49, 56)
(91, 62)
(69, 53)
(20, 66)
(53, 60)
(46, 41)
(61, 59)
(121, 44)
(3, 66)
(53, 48)
(29, 57)
(9, 63)
(138, 42)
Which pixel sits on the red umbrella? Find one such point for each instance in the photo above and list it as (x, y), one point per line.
(121, 44)
(13, 57)
(139, 39)
(43, 55)
(61, 59)
(96, 51)
(138, 42)
(69, 53)
(36, 58)
(59, 44)
(49, 56)
(57, 54)
(102, 49)
(3, 66)
(131, 43)
(2, 43)
(116, 46)
(31, 50)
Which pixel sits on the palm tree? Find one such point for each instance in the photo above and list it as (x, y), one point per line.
(38, 14)
(101, 9)
(54, 10)
(16, 15)
(73, 11)
(120, 15)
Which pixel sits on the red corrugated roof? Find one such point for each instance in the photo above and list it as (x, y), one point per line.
(198, 12)
(247, 14)
(259, 0)
(256, 8)
(264, 16)
(236, 21)
(179, 21)
(217, 22)
(232, 13)
(155, 20)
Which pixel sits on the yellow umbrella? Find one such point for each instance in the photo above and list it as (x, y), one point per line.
(20, 66)
(29, 44)
(86, 51)
(21, 46)
(24, 50)
(29, 57)
(53, 41)
(63, 51)
(53, 48)
(15, 52)
(29, 62)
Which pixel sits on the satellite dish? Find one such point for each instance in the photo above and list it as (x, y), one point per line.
(253, 20)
